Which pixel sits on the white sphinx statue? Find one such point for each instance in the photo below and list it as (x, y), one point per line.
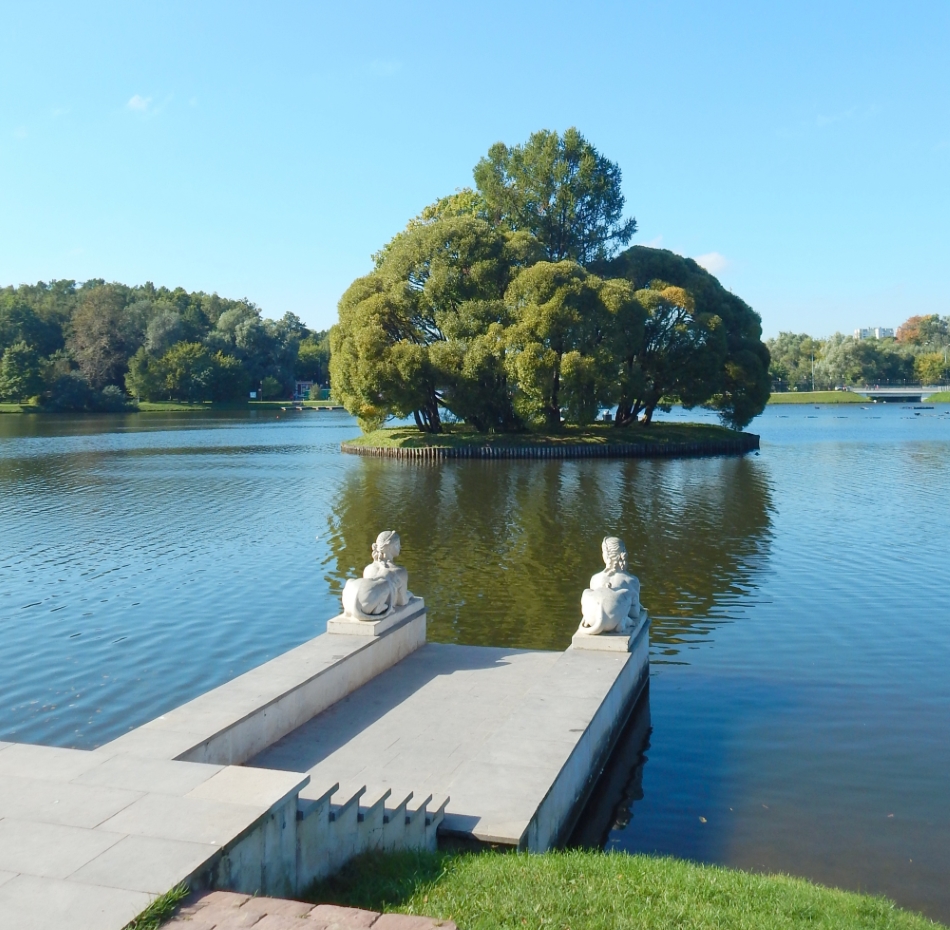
(384, 586)
(612, 602)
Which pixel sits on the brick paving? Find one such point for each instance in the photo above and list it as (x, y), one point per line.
(224, 910)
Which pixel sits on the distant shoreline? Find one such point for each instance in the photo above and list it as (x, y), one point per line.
(179, 407)
(841, 397)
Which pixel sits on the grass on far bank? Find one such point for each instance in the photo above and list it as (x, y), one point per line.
(161, 406)
(592, 890)
(818, 397)
(459, 435)
(941, 397)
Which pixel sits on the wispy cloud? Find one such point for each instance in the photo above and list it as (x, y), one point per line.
(57, 112)
(821, 121)
(385, 67)
(20, 132)
(655, 243)
(713, 262)
(138, 103)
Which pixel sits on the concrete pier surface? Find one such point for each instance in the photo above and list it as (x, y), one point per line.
(88, 839)
(514, 738)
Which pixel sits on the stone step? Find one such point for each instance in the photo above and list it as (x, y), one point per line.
(225, 909)
(329, 834)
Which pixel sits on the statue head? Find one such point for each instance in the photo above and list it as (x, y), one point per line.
(615, 553)
(386, 547)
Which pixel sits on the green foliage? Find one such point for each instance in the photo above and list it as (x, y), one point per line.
(919, 353)
(931, 367)
(502, 308)
(405, 331)
(559, 326)
(587, 890)
(792, 356)
(161, 910)
(69, 392)
(229, 379)
(94, 342)
(145, 378)
(20, 322)
(112, 399)
(186, 367)
(188, 372)
(707, 338)
(561, 191)
(102, 336)
(313, 359)
(20, 373)
(270, 388)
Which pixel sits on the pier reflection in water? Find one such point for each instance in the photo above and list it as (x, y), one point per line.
(502, 550)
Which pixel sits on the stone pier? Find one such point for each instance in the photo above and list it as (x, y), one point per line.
(358, 739)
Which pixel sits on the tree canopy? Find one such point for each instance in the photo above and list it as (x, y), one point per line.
(920, 352)
(559, 189)
(90, 346)
(509, 307)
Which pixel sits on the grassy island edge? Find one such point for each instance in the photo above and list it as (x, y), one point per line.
(458, 436)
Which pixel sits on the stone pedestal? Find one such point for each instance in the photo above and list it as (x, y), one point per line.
(349, 626)
(611, 642)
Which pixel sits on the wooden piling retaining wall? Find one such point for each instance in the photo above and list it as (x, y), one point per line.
(745, 442)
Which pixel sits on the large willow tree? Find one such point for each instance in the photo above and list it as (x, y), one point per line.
(508, 307)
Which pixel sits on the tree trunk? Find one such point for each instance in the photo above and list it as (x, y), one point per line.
(554, 410)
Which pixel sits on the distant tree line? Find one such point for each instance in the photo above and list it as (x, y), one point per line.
(98, 346)
(511, 305)
(920, 351)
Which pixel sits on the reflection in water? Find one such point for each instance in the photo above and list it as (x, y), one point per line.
(610, 806)
(502, 550)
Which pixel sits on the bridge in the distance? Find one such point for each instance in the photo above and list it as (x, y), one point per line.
(892, 393)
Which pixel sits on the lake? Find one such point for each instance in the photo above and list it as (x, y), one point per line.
(798, 716)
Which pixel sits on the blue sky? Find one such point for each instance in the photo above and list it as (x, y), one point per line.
(265, 150)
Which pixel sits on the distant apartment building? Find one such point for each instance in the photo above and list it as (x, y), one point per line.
(874, 332)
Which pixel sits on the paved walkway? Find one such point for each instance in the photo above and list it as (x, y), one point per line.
(88, 839)
(222, 910)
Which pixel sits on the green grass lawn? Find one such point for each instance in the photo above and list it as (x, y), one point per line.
(12, 408)
(818, 397)
(278, 404)
(598, 891)
(941, 397)
(171, 405)
(456, 436)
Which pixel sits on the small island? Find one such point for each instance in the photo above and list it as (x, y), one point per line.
(599, 440)
(505, 318)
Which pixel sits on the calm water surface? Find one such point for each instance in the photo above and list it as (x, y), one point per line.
(798, 718)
